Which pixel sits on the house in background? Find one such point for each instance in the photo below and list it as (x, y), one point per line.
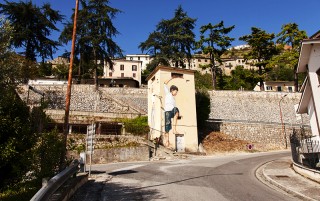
(144, 58)
(60, 60)
(277, 86)
(309, 62)
(123, 69)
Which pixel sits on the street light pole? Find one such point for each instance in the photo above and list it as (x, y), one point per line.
(282, 124)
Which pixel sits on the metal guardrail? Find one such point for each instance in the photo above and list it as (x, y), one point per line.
(55, 182)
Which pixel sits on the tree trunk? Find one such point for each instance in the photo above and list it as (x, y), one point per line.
(95, 69)
(214, 78)
(79, 69)
(260, 79)
(213, 71)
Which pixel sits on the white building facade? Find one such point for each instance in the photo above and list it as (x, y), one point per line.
(124, 69)
(143, 58)
(310, 99)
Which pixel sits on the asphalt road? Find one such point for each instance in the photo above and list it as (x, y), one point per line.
(230, 177)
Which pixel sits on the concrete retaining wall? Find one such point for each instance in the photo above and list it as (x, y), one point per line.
(111, 155)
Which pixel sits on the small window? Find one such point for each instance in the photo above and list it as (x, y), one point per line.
(134, 67)
(131, 58)
(139, 58)
(199, 60)
(205, 60)
(121, 67)
(110, 74)
(175, 75)
(279, 88)
(133, 75)
(290, 89)
(122, 74)
(269, 88)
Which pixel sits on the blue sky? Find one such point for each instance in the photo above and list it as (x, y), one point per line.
(140, 17)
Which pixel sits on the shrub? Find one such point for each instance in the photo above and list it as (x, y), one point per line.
(136, 126)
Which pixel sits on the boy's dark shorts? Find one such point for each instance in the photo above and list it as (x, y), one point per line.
(168, 116)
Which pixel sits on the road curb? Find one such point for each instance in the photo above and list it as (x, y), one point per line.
(264, 178)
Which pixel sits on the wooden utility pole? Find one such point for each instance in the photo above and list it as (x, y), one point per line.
(68, 95)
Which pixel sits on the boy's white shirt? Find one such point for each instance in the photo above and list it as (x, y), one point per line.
(170, 102)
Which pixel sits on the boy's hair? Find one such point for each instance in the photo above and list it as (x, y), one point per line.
(173, 87)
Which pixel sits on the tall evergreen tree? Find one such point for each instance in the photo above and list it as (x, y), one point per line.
(32, 27)
(215, 44)
(262, 50)
(97, 32)
(291, 35)
(173, 40)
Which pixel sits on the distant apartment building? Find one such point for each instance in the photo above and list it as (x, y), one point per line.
(144, 58)
(123, 69)
(196, 63)
(228, 63)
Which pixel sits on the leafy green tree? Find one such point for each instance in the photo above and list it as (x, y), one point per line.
(282, 66)
(241, 78)
(61, 71)
(215, 44)
(202, 107)
(202, 81)
(32, 25)
(172, 42)
(45, 69)
(19, 129)
(262, 50)
(16, 138)
(292, 36)
(49, 145)
(96, 33)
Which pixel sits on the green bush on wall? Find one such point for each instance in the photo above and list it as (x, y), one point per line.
(136, 126)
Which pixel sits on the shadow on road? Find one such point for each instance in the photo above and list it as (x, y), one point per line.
(122, 172)
(95, 190)
(187, 179)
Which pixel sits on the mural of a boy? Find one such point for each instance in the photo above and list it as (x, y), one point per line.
(171, 111)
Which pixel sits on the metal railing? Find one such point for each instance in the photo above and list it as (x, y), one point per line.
(305, 149)
(55, 182)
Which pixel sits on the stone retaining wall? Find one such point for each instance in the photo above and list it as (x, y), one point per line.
(264, 136)
(258, 112)
(255, 106)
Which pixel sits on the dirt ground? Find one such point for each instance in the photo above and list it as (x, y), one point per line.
(216, 142)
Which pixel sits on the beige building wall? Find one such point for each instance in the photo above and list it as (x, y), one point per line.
(124, 69)
(185, 100)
